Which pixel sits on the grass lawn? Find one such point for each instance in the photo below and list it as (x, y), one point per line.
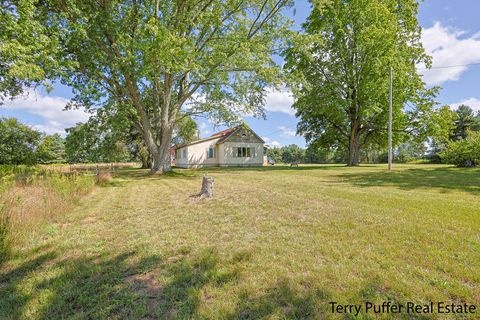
(274, 242)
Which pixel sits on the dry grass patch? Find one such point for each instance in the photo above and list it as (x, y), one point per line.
(32, 198)
(104, 177)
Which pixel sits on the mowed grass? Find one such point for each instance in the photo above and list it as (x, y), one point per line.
(274, 242)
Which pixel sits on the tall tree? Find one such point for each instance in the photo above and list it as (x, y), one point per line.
(51, 149)
(168, 59)
(340, 68)
(465, 121)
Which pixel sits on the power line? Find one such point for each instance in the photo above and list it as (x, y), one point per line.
(282, 129)
(456, 66)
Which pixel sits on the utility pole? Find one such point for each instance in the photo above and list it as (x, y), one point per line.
(390, 116)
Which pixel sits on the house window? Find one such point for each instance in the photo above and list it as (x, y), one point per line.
(184, 153)
(244, 152)
(211, 152)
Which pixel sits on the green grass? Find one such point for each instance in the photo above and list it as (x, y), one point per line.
(274, 242)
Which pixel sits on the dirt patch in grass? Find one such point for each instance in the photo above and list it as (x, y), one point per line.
(89, 219)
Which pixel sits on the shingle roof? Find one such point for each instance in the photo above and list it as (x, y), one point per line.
(224, 134)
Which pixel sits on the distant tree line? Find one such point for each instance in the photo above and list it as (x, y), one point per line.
(88, 142)
(311, 154)
(462, 147)
(103, 138)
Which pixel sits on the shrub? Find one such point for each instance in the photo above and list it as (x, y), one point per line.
(463, 153)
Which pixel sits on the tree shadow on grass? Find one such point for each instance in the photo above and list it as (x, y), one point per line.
(288, 300)
(12, 298)
(92, 288)
(445, 179)
(282, 300)
(132, 286)
(125, 286)
(376, 292)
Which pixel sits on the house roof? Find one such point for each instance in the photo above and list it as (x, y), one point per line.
(223, 135)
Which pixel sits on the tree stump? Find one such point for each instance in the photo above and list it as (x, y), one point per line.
(207, 187)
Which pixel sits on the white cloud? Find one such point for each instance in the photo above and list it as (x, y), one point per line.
(50, 109)
(271, 143)
(473, 103)
(286, 132)
(279, 101)
(203, 128)
(275, 101)
(449, 47)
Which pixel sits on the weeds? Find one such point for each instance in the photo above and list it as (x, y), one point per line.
(30, 197)
(104, 177)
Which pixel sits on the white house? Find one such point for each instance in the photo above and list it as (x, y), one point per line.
(238, 146)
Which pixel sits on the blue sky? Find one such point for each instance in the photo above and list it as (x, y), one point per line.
(451, 34)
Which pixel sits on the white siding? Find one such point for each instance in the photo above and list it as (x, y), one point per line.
(197, 155)
(225, 152)
(228, 158)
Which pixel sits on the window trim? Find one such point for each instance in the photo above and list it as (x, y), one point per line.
(244, 152)
(214, 153)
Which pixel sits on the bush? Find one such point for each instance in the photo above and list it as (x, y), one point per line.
(463, 153)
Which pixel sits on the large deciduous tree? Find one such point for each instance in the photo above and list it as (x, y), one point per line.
(162, 60)
(340, 68)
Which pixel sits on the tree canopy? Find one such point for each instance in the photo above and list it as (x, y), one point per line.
(340, 76)
(464, 152)
(20, 144)
(51, 149)
(160, 61)
(466, 120)
(27, 48)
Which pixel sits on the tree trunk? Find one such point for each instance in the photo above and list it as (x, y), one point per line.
(145, 157)
(146, 162)
(354, 149)
(162, 161)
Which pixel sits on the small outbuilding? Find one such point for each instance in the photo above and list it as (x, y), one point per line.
(238, 146)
